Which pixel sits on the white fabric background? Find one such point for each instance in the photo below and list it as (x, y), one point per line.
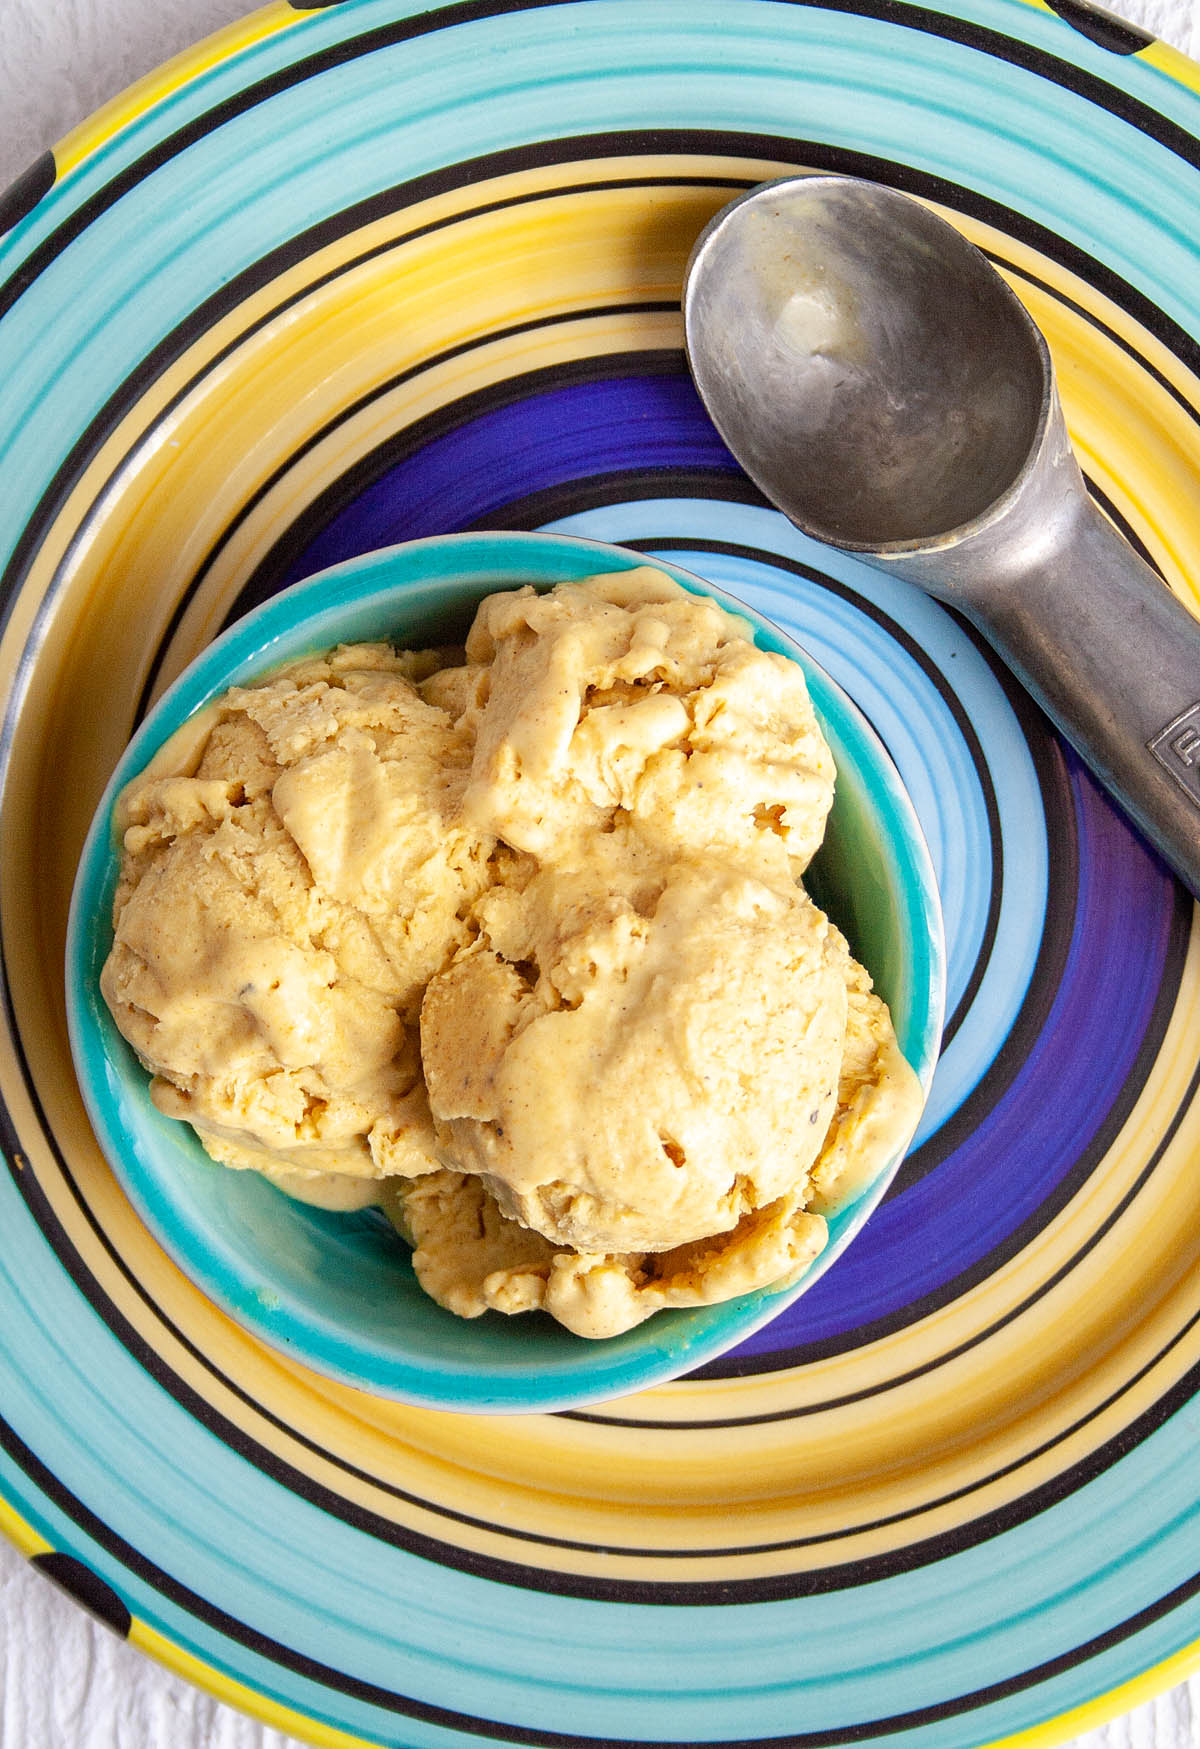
(65, 1681)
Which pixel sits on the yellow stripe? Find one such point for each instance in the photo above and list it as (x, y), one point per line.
(16, 1530)
(237, 1694)
(1174, 63)
(1106, 1707)
(222, 45)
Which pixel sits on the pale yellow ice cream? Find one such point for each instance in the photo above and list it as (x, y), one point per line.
(634, 1065)
(286, 894)
(632, 699)
(519, 948)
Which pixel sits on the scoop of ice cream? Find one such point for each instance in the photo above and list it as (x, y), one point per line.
(472, 1257)
(627, 697)
(286, 893)
(634, 1063)
(518, 945)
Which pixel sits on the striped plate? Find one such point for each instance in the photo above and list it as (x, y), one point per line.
(351, 274)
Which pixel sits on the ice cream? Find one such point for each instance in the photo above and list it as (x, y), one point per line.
(518, 946)
(286, 894)
(631, 699)
(630, 1069)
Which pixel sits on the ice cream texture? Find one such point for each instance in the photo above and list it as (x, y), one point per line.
(515, 942)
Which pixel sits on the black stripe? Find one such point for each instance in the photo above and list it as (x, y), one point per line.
(926, 20)
(283, 79)
(1093, 89)
(583, 494)
(261, 273)
(86, 1587)
(1125, 527)
(21, 196)
(1102, 327)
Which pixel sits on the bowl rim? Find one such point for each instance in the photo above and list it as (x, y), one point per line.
(654, 1352)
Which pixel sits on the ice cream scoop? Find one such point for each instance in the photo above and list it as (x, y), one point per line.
(884, 386)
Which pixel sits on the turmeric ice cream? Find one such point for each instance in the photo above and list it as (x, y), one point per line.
(518, 946)
(630, 699)
(290, 883)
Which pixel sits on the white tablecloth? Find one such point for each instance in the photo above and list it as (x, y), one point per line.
(65, 1681)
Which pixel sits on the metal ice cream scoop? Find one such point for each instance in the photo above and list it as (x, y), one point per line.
(881, 383)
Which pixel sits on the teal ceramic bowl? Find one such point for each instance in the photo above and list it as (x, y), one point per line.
(337, 1291)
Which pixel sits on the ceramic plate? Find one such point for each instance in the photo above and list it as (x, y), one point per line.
(356, 273)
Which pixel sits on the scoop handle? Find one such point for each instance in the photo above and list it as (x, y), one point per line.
(1113, 657)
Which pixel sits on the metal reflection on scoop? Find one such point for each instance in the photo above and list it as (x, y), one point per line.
(881, 383)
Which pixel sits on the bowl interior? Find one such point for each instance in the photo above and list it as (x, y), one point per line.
(337, 1291)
